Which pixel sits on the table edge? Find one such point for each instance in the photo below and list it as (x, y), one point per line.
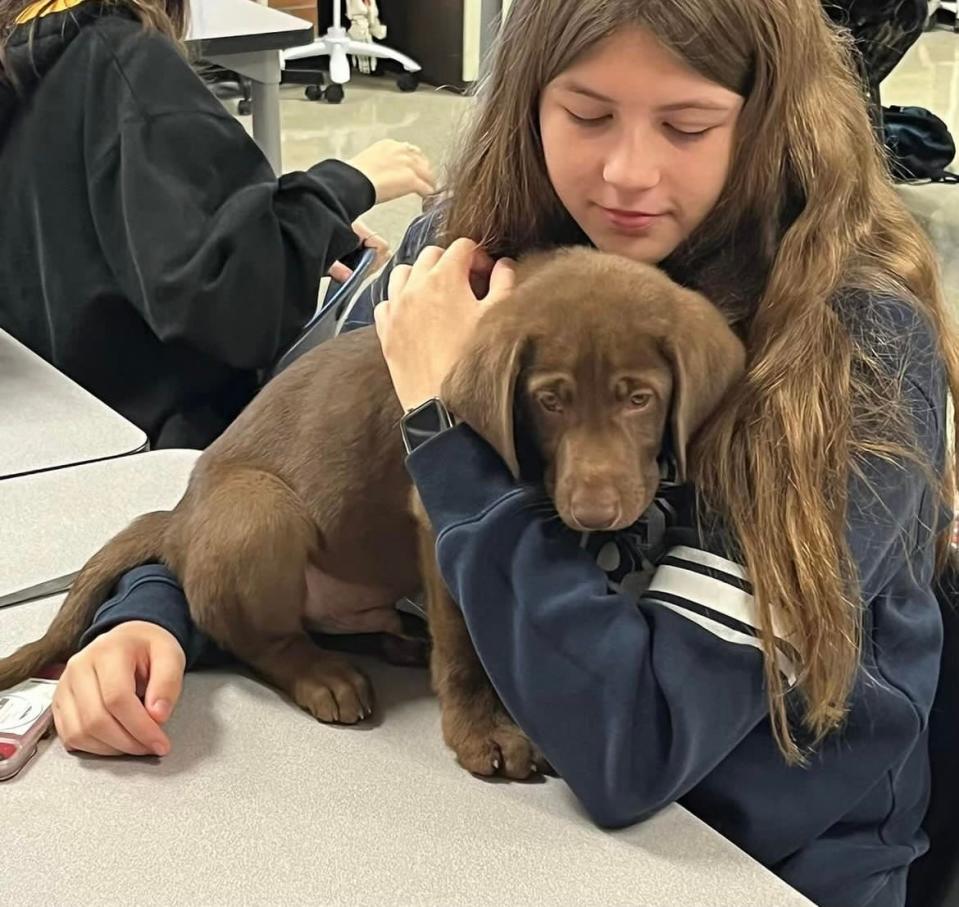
(143, 448)
(229, 45)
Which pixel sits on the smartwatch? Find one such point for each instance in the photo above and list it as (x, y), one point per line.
(426, 421)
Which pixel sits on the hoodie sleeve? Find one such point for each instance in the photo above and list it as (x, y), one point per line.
(152, 593)
(207, 244)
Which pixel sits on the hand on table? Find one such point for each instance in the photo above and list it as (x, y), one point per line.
(97, 707)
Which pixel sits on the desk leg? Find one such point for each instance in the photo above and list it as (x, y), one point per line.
(266, 121)
(264, 69)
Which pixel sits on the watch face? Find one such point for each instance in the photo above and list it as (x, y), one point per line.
(426, 419)
(424, 423)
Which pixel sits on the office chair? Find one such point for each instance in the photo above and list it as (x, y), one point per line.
(338, 45)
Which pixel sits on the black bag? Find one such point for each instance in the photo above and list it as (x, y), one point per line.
(919, 145)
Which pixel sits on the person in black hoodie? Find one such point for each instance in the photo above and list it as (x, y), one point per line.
(149, 251)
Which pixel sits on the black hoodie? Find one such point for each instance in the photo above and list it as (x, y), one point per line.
(147, 249)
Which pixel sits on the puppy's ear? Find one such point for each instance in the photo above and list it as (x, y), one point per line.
(707, 359)
(480, 389)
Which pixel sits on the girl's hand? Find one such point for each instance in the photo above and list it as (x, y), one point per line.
(427, 321)
(395, 169)
(372, 240)
(97, 707)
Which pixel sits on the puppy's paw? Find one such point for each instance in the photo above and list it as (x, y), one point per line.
(500, 748)
(334, 691)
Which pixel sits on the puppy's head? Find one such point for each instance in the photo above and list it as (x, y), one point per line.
(592, 357)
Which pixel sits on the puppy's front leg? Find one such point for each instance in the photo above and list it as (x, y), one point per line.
(475, 724)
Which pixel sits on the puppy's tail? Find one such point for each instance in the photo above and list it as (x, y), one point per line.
(140, 543)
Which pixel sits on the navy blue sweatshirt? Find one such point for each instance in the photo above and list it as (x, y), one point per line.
(632, 659)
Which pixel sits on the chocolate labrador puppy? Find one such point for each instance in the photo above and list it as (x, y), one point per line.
(306, 496)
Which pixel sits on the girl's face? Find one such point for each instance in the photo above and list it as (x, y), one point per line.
(637, 144)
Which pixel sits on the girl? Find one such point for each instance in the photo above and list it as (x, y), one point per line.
(149, 251)
(777, 676)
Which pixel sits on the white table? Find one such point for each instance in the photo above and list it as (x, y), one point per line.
(247, 38)
(48, 421)
(260, 804)
(52, 522)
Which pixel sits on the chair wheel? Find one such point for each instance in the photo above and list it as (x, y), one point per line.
(334, 94)
(244, 108)
(407, 82)
(314, 92)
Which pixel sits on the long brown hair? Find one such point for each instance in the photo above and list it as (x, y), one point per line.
(808, 213)
(170, 17)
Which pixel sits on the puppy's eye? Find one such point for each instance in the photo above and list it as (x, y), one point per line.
(640, 399)
(550, 401)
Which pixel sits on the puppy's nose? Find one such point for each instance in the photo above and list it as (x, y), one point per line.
(595, 510)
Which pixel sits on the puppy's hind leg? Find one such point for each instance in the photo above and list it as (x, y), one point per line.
(245, 578)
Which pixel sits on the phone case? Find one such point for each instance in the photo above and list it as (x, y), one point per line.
(26, 716)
